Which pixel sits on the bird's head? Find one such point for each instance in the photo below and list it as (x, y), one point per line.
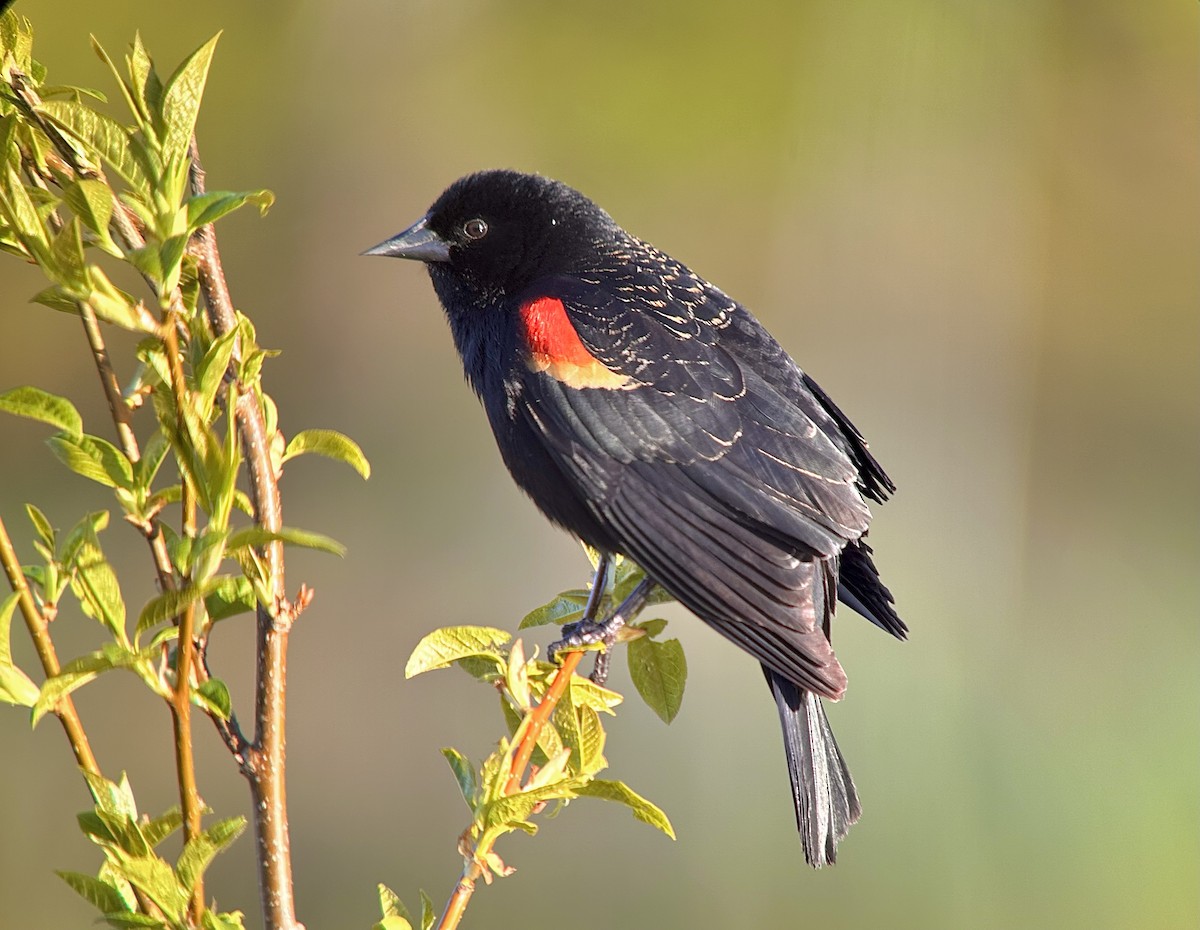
(494, 233)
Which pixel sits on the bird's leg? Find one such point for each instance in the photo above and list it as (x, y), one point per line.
(585, 632)
(590, 608)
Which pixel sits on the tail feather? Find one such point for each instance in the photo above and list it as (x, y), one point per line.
(822, 789)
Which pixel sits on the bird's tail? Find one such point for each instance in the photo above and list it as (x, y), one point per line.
(822, 789)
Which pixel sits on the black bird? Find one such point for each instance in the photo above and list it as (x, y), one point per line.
(651, 415)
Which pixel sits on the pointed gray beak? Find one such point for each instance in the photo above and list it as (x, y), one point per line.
(418, 242)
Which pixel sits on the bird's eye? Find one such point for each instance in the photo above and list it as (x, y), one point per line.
(475, 229)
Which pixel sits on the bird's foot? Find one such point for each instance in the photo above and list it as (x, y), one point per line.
(585, 633)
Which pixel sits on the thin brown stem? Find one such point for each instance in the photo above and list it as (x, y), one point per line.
(36, 624)
(537, 720)
(461, 897)
(265, 764)
(531, 729)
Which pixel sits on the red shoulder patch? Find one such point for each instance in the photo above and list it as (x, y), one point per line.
(555, 347)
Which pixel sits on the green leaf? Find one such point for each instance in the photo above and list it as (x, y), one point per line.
(113, 798)
(144, 82)
(171, 604)
(651, 627)
(102, 135)
(586, 693)
(210, 207)
(659, 672)
(15, 686)
(566, 608)
(36, 404)
(642, 809)
(94, 458)
(73, 676)
(92, 523)
(427, 913)
(94, 582)
(200, 850)
(171, 259)
(258, 536)
(67, 265)
(230, 597)
(156, 879)
(390, 904)
(331, 444)
(464, 774)
(591, 742)
(213, 695)
(22, 216)
(211, 371)
(159, 828)
(441, 647)
(104, 897)
(56, 298)
(41, 524)
(181, 100)
(392, 922)
(92, 202)
(113, 305)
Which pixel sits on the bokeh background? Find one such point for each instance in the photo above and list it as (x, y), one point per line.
(977, 225)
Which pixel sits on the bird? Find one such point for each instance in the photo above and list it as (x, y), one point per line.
(653, 417)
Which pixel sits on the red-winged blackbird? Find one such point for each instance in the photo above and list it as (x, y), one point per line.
(651, 415)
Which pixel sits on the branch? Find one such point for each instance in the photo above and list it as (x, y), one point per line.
(36, 624)
(265, 759)
(530, 730)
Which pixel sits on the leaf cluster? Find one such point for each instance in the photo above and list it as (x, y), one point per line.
(134, 878)
(557, 725)
(91, 194)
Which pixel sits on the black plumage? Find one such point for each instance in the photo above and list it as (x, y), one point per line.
(652, 415)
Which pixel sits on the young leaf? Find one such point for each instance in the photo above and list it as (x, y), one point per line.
(181, 100)
(330, 444)
(159, 828)
(113, 305)
(41, 524)
(230, 597)
(74, 675)
(171, 604)
(566, 608)
(113, 798)
(441, 647)
(591, 742)
(258, 536)
(95, 584)
(395, 914)
(102, 135)
(15, 686)
(37, 404)
(156, 879)
(94, 458)
(659, 672)
(642, 809)
(210, 207)
(390, 904)
(211, 371)
(103, 896)
(92, 202)
(68, 266)
(464, 774)
(22, 216)
(213, 695)
(428, 915)
(200, 850)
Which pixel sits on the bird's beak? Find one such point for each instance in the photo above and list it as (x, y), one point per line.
(418, 242)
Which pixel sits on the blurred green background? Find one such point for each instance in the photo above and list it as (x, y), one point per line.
(976, 223)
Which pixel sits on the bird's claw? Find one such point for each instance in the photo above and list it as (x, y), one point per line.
(584, 633)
